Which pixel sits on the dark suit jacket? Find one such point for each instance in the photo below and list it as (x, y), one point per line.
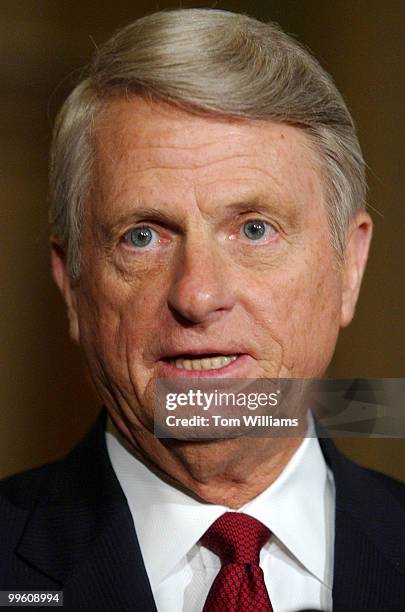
(67, 526)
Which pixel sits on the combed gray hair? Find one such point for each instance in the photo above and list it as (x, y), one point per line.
(215, 63)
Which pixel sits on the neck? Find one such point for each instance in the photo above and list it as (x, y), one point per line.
(229, 473)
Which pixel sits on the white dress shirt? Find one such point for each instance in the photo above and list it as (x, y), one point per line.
(298, 508)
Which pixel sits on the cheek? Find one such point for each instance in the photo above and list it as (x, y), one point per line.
(116, 324)
(314, 322)
(300, 312)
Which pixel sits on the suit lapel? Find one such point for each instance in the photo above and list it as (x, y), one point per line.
(81, 536)
(369, 564)
(113, 570)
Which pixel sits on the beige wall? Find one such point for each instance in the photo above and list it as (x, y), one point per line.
(46, 402)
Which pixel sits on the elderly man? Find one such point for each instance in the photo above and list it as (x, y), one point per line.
(208, 221)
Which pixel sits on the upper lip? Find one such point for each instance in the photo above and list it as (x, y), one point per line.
(200, 351)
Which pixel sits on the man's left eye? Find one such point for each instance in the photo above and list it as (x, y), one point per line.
(256, 229)
(141, 237)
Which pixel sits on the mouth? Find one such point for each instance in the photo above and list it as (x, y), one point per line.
(213, 361)
(209, 362)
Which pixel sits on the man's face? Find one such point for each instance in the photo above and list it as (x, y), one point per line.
(204, 238)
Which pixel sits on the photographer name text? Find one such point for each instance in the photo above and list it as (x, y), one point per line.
(217, 420)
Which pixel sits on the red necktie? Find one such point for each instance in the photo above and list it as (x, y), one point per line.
(239, 586)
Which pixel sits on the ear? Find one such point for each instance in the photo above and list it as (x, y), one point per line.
(355, 259)
(66, 286)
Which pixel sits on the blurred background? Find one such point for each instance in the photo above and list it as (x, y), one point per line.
(46, 401)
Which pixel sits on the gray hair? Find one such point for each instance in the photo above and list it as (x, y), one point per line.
(211, 63)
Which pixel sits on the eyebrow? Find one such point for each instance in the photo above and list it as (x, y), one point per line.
(285, 209)
(109, 229)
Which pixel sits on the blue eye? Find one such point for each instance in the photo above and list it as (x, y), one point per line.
(140, 236)
(254, 229)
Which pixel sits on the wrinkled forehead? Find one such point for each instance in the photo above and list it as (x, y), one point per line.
(144, 146)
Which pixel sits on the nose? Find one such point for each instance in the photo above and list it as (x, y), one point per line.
(202, 289)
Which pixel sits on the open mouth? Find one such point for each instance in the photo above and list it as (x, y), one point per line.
(213, 361)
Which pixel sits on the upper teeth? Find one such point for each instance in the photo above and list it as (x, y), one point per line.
(206, 363)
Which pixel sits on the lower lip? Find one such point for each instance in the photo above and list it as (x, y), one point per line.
(169, 370)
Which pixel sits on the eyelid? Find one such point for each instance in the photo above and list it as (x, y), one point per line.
(125, 237)
(270, 226)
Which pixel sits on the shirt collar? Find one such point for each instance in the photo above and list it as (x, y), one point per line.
(297, 508)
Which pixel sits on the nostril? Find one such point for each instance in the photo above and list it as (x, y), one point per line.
(181, 318)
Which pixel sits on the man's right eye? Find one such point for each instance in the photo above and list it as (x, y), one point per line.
(141, 237)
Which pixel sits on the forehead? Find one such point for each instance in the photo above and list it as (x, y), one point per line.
(149, 147)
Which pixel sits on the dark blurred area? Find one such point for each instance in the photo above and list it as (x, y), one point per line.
(47, 402)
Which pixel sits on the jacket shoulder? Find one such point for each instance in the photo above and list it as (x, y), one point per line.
(22, 490)
(361, 491)
(395, 487)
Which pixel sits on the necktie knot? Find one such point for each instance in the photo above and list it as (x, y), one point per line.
(236, 538)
